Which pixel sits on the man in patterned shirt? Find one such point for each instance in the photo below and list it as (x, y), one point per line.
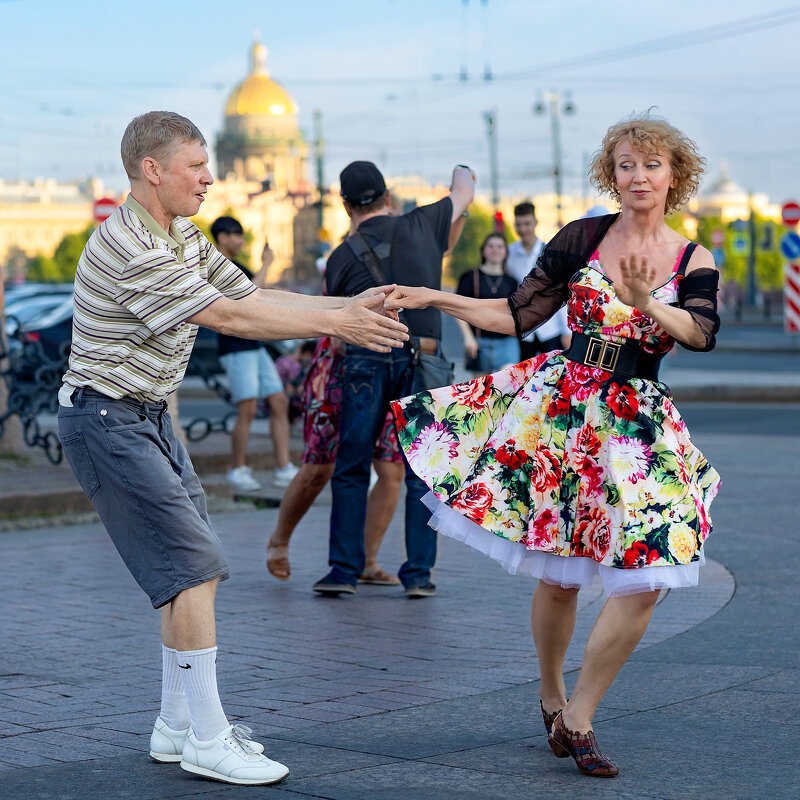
(146, 279)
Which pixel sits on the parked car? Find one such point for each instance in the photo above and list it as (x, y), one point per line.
(47, 320)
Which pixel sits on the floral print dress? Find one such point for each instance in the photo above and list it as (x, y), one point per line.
(564, 471)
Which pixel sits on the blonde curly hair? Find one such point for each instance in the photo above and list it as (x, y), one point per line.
(650, 134)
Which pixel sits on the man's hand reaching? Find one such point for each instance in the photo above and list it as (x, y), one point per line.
(366, 323)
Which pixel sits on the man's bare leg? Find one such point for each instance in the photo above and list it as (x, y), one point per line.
(279, 427)
(245, 414)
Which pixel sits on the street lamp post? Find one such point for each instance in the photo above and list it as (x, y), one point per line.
(554, 100)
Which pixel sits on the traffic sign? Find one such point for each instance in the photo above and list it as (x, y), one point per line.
(740, 244)
(718, 237)
(719, 256)
(103, 209)
(739, 225)
(790, 245)
(790, 213)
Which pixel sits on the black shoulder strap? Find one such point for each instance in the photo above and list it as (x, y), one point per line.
(373, 258)
(687, 256)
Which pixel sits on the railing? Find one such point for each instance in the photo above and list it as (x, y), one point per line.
(32, 380)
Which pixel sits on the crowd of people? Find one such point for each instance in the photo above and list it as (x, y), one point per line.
(563, 458)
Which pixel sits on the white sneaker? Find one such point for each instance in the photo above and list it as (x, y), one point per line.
(242, 478)
(228, 757)
(166, 744)
(283, 476)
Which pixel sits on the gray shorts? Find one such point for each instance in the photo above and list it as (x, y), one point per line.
(140, 479)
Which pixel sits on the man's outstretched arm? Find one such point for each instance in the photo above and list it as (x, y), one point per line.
(361, 322)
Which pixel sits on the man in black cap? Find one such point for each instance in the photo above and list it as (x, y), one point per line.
(405, 249)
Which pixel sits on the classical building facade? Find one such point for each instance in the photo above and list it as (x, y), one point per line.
(36, 215)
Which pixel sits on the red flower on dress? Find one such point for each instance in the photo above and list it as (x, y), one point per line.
(639, 555)
(592, 475)
(545, 470)
(622, 401)
(588, 441)
(559, 406)
(400, 420)
(507, 454)
(475, 500)
(545, 529)
(473, 393)
(594, 532)
(581, 382)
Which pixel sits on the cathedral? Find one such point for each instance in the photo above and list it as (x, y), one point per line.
(260, 140)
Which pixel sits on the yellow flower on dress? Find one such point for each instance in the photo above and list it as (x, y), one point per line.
(682, 542)
(616, 313)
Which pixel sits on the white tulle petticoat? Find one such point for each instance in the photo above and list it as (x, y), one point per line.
(570, 572)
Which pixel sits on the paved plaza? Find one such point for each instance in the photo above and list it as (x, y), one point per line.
(378, 696)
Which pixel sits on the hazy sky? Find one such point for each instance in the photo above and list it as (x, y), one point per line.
(74, 73)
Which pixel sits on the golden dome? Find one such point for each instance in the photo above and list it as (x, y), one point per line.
(258, 94)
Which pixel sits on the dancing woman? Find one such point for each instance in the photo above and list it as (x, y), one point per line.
(577, 465)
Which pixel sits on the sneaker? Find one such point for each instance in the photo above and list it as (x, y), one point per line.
(331, 588)
(283, 475)
(242, 478)
(228, 757)
(166, 744)
(423, 590)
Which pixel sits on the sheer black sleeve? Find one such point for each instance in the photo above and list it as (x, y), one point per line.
(697, 294)
(546, 287)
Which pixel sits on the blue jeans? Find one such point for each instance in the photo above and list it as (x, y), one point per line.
(369, 382)
(498, 352)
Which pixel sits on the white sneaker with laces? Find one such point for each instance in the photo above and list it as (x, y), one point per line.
(166, 744)
(229, 757)
(283, 475)
(242, 478)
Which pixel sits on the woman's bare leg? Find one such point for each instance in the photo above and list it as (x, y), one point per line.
(553, 613)
(617, 630)
(381, 505)
(303, 490)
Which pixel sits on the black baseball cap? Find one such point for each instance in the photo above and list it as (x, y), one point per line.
(361, 183)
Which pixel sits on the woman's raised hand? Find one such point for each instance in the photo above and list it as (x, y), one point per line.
(637, 280)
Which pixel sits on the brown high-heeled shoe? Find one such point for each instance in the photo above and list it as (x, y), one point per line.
(583, 748)
(548, 724)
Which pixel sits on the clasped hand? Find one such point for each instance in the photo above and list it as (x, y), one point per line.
(636, 283)
(368, 321)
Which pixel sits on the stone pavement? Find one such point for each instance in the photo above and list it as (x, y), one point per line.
(375, 696)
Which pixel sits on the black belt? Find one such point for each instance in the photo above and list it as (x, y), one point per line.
(626, 359)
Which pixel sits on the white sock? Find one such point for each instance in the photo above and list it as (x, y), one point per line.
(174, 705)
(199, 670)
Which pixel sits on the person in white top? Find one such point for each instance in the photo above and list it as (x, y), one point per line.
(522, 254)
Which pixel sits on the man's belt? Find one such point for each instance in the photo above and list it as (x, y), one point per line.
(626, 359)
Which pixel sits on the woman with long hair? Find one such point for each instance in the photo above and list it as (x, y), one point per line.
(488, 351)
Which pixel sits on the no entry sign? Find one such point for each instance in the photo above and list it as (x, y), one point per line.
(790, 213)
(103, 208)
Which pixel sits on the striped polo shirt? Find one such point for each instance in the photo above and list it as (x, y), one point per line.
(135, 287)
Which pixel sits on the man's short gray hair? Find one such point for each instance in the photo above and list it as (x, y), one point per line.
(156, 134)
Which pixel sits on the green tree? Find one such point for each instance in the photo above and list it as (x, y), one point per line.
(467, 253)
(61, 267)
(41, 269)
(769, 263)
